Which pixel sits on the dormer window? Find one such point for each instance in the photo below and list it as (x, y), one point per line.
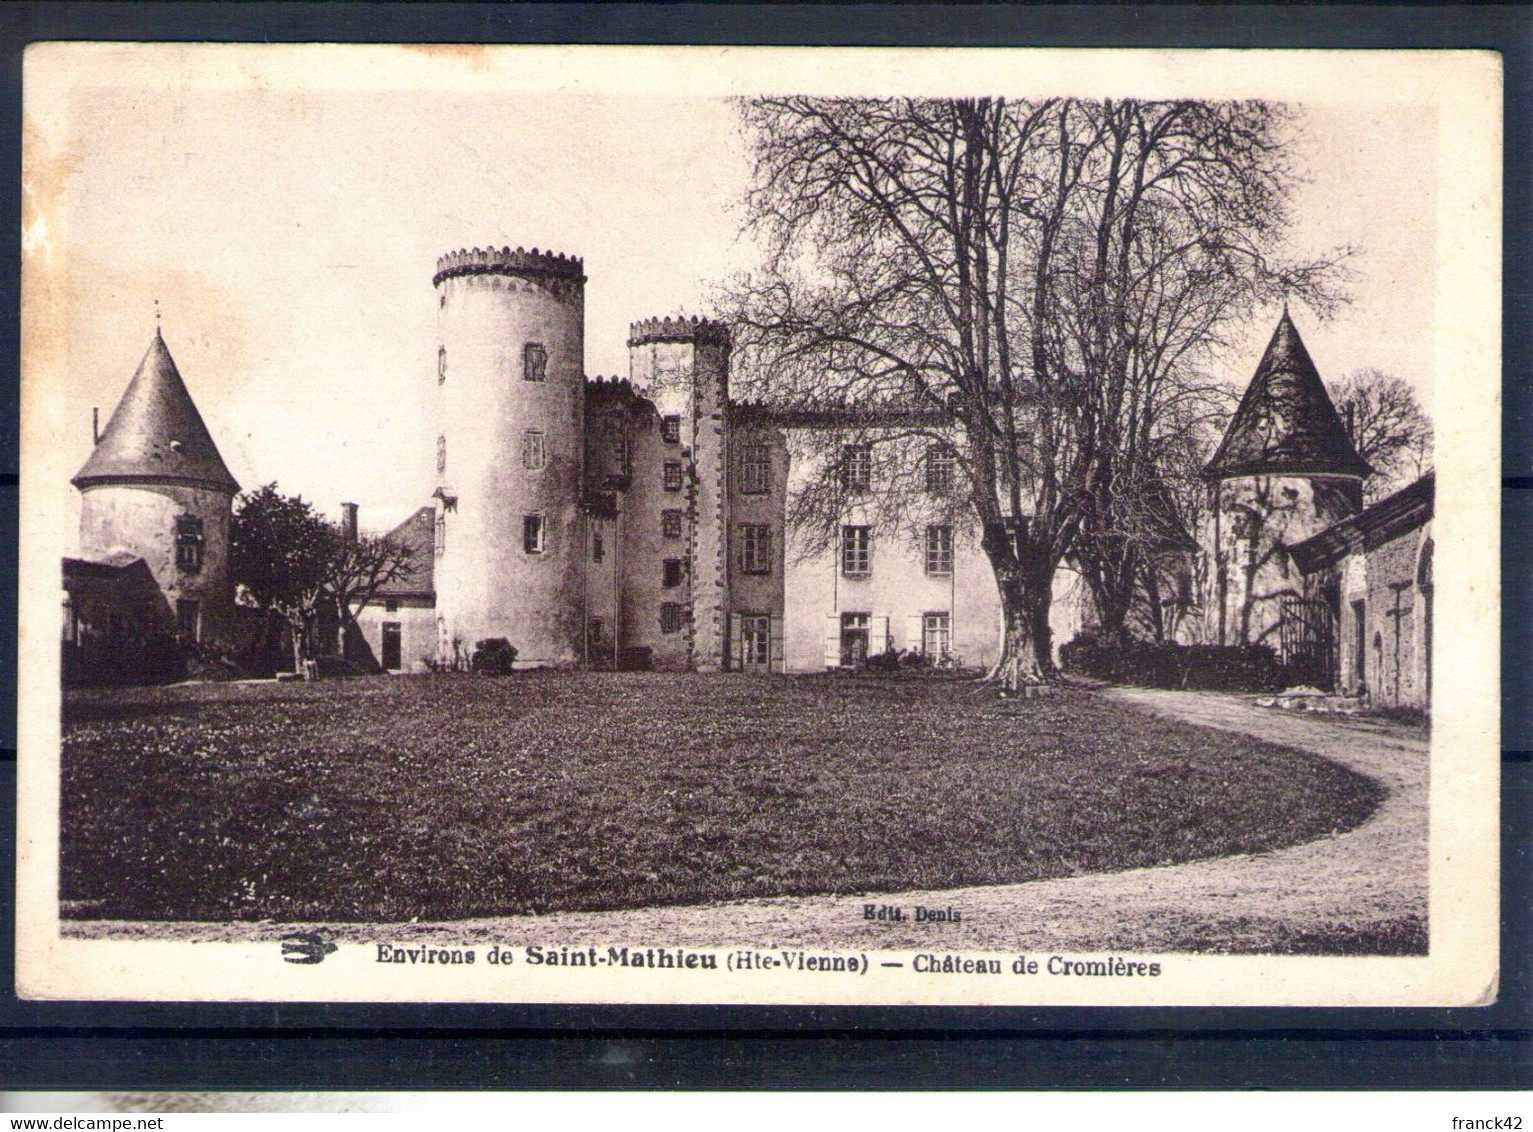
(939, 470)
(189, 543)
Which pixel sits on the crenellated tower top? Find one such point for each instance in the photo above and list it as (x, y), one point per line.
(508, 261)
(702, 331)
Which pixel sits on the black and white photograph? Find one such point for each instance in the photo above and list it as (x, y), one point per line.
(759, 525)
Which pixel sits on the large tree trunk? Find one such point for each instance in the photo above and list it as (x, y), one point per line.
(296, 627)
(1026, 591)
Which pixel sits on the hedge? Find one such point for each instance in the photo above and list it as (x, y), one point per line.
(1217, 668)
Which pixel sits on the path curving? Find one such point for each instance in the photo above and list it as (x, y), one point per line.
(1363, 891)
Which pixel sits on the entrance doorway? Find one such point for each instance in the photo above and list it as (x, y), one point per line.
(1359, 643)
(189, 620)
(755, 643)
(854, 640)
(391, 649)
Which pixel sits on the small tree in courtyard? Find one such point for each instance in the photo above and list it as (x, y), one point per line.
(361, 566)
(281, 553)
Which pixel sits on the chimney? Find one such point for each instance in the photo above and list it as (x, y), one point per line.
(349, 521)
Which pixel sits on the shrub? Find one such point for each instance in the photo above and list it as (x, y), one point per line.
(494, 656)
(888, 661)
(1218, 668)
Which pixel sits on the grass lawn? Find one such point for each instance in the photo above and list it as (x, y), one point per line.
(453, 797)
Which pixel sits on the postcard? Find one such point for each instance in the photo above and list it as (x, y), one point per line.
(757, 525)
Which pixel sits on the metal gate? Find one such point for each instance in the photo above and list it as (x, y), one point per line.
(1307, 642)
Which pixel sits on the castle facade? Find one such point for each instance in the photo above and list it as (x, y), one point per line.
(641, 521)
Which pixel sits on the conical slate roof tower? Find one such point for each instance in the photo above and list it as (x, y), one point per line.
(156, 434)
(1286, 424)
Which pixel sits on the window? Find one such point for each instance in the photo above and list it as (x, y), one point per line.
(673, 475)
(598, 551)
(755, 548)
(534, 362)
(391, 605)
(532, 534)
(617, 424)
(189, 619)
(936, 634)
(856, 467)
(534, 450)
(189, 543)
(856, 547)
(939, 469)
(756, 469)
(596, 631)
(670, 617)
(674, 569)
(670, 524)
(441, 535)
(441, 363)
(939, 549)
(670, 429)
(441, 454)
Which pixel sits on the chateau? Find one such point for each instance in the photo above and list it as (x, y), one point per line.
(640, 521)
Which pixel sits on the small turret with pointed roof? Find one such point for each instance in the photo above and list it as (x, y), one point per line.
(156, 434)
(1286, 424)
(156, 489)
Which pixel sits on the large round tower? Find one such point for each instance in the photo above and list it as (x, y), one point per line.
(509, 452)
(156, 488)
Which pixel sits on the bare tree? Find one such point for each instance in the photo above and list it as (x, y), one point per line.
(361, 566)
(1026, 285)
(1387, 426)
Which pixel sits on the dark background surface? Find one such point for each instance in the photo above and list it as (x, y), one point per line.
(318, 1046)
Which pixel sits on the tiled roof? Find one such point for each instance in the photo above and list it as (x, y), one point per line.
(1286, 423)
(419, 532)
(1388, 519)
(156, 433)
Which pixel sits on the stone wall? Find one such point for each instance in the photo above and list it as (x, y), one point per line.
(141, 519)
